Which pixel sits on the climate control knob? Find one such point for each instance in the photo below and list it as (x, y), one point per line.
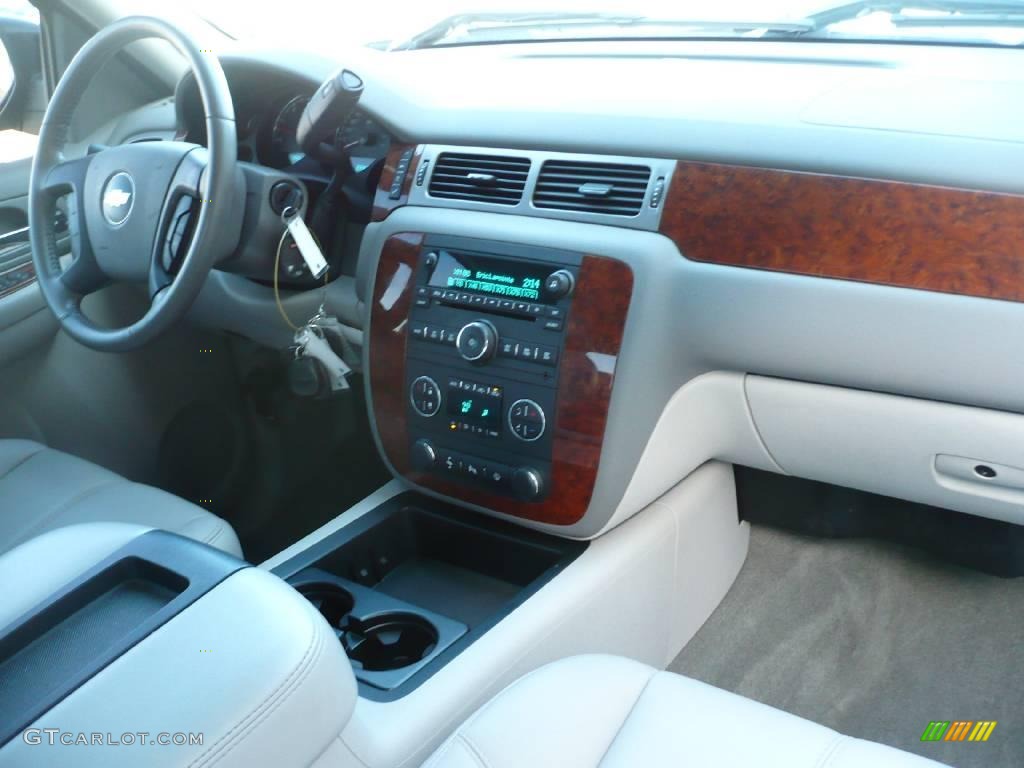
(526, 420)
(425, 396)
(528, 483)
(424, 455)
(477, 341)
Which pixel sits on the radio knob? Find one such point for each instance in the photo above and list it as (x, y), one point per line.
(477, 341)
(424, 455)
(559, 284)
(528, 483)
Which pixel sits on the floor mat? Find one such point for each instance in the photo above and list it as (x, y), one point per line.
(873, 640)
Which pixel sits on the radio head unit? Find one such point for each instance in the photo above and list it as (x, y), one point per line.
(490, 368)
(486, 333)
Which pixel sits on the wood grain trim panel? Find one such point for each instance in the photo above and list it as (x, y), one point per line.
(885, 232)
(383, 204)
(586, 375)
(28, 269)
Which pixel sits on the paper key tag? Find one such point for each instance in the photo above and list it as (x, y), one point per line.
(307, 246)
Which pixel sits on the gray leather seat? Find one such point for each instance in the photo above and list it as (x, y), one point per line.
(42, 489)
(603, 710)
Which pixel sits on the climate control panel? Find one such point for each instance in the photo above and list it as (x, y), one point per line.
(484, 337)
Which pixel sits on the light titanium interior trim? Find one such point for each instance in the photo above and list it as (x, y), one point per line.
(648, 218)
(14, 236)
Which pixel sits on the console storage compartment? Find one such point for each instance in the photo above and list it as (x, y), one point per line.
(74, 633)
(413, 582)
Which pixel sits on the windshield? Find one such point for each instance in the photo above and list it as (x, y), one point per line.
(329, 24)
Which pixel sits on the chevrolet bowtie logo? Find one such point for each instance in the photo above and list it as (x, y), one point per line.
(115, 198)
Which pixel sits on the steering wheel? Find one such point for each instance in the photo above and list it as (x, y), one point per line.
(130, 206)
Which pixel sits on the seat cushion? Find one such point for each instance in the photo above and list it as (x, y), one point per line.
(42, 489)
(614, 712)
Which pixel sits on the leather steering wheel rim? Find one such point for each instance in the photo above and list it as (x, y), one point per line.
(212, 174)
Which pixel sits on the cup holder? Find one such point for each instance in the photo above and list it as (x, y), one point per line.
(389, 640)
(333, 602)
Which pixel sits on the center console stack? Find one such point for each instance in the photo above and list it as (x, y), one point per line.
(491, 366)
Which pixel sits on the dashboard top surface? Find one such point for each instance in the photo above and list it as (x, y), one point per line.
(870, 110)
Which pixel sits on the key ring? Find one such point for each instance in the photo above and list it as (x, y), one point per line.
(287, 214)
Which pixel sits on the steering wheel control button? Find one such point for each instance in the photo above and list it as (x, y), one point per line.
(425, 396)
(527, 421)
(118, 198)
(559, 284)
(477, 341)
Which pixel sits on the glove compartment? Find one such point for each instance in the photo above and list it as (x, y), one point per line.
(953, 456)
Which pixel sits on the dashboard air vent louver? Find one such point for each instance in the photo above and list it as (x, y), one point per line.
(610, 188)
(483, 178)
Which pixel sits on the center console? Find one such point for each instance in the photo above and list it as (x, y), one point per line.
(491, 367)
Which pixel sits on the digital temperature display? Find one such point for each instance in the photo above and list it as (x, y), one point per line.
(475, 404)
(489, 277)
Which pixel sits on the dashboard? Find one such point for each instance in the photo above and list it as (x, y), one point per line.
(820, 225)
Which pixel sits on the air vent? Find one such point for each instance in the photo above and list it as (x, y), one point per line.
(610, 188)
(483, 178)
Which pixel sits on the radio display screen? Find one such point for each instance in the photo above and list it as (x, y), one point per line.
(498, 278)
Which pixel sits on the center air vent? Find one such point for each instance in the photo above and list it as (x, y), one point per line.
(609, 188)
(483, 178)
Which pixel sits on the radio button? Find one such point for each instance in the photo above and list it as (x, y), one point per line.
(536, 309)
(477, 341)
(464, 298)
(559, 283)
(419, 331)
(555, 312)
(436, 293)
(522, 308)
(491, 303)
(547, 355)
(449, 337)
(506, 305)
(422, 301)
(507, 348)
(450, 296)
(552, 325)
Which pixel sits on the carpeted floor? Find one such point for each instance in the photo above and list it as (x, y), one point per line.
(873, 640)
